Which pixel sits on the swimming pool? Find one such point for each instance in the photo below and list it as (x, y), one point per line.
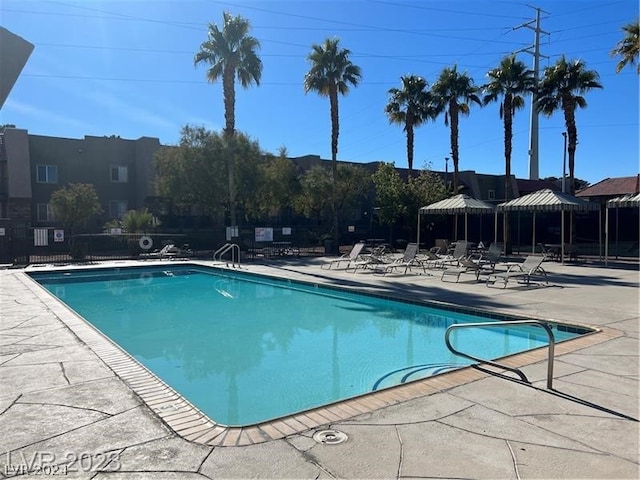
(246, 348)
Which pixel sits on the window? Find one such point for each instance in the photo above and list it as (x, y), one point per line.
(119, 174)
(47, 173)
(117, 209)
(44, 213)
(492, 194)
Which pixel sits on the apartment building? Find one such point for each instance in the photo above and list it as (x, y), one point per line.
(32, 167)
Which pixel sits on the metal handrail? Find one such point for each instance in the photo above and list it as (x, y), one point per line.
(545, 326)
(233, 247)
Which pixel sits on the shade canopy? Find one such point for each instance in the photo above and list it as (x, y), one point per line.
(548, 201)
(458, 204)
(630, 200)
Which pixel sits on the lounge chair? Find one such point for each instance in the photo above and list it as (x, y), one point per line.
(493, 255)
(459, 252)
(531, 266)
(407, 261)
(443, 246)
(170, 250)
(431, 259)
(466, 265)
(378, 256)
(350, 257)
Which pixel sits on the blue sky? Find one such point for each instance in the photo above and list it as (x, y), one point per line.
(126, 68)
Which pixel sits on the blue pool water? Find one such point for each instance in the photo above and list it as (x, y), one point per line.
(245, 348)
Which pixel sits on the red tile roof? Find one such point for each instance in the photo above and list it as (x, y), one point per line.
(612, 187)
(526, 186)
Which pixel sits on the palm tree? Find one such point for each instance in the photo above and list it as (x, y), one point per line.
(231, 52)
(628, 47)
(453, 94)
(330, 74)
(562, 88)
(410, 107)
(511, 81)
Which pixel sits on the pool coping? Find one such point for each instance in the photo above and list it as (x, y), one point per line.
(193, 425)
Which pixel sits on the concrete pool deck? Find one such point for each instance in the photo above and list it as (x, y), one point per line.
(61, 404)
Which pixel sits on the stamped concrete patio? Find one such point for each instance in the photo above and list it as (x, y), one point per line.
(63, 410)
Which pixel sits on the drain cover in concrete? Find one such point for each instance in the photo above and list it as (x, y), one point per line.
(330, 437)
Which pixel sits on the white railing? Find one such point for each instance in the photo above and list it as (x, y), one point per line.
(234, 248)
(536, 323)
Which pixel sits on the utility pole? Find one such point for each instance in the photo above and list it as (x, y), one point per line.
(533, 127)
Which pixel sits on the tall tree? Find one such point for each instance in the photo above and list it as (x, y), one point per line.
(279, 187)
(354, 183)
(423, 190)
(410, 106)
(192, 174)
(562, 88)
(74, 205)
(330, 74)
(231, 52)
(453, 94)
(510, 81)
(628, 47)
(312, 201)
(390, 195)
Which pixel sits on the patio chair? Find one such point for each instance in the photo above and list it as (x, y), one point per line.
(493, 255)
(431, 259)
(466, 265)
(408, 260)
(378, 256)
(531, 266)
(170, 250)
(443, 246)
(459, 251)
(352, 256)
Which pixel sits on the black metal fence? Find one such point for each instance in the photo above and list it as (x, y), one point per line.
(21, 244)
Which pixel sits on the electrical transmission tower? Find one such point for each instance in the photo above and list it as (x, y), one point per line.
(533, 127)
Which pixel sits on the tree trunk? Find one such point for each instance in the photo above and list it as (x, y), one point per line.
(333, 99)
(572, 137)
(508, 126)
(409, 125)
(231, 148)
(453, 113)
(228, 90)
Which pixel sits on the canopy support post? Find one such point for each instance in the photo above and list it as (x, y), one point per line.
(466, 215)
(418, 234)
(562, 236)
(533, 233)
(600, 234)
(606, 237)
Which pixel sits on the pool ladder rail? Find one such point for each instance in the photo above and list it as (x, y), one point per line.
(234, 248)
(537, 323)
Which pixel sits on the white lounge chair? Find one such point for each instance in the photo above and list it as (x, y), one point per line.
(531, 266)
